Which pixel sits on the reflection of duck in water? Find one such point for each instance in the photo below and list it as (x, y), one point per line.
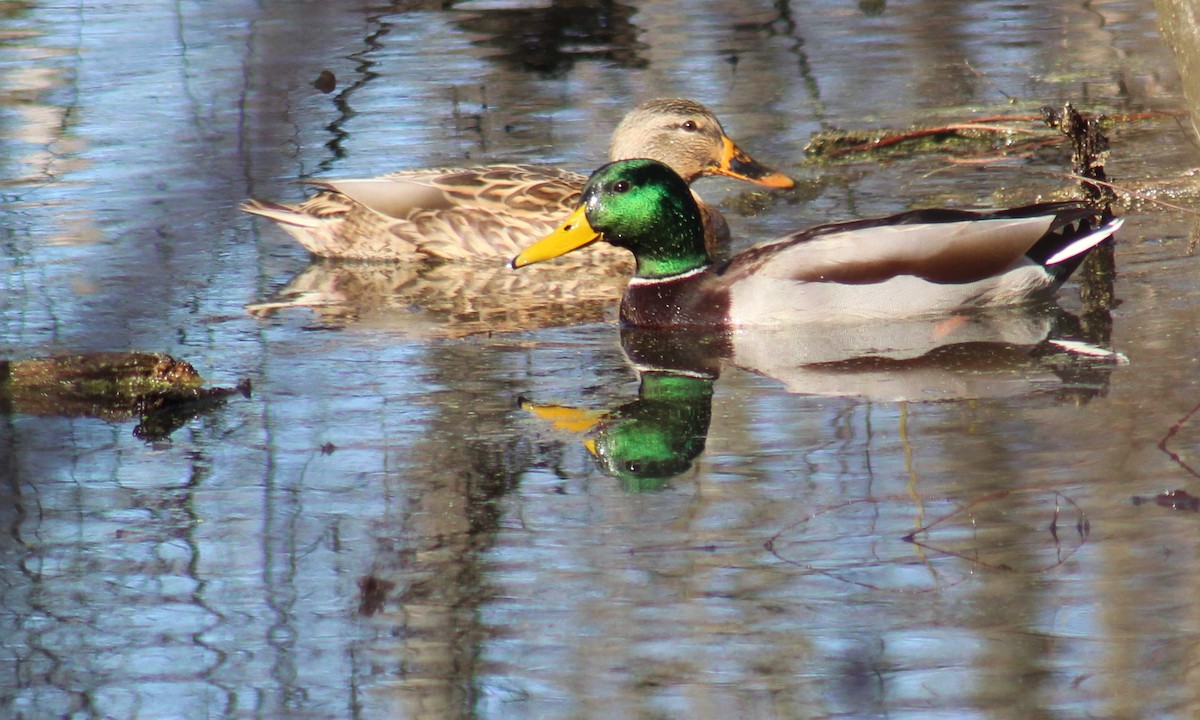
(654, 438)
(1003, 352)
(647, 441)
(913, 264)
(447, 300)
(650, 440)
(490, 212)
(548, 38)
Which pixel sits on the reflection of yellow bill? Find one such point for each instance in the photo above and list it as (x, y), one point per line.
(571, 235)
(576, 420)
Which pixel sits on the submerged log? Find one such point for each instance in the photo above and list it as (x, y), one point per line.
(161, 391)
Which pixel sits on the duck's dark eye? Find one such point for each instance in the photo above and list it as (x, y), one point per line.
(621, 186)
(690, 126)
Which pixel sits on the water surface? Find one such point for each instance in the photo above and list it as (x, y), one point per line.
(385, 528)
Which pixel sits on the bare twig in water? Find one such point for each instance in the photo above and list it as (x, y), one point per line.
(1172, 432)
(1082, 530)
(964, 516)
(989, 81)
(1134, 194)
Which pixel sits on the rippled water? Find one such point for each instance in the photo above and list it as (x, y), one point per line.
(400, 521)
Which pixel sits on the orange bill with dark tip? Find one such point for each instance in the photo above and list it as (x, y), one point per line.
(571, 235)
(735, 163)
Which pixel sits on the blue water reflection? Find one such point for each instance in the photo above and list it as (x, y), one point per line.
(382, 531)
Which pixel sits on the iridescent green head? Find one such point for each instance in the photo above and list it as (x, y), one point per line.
(647, 442)
(640, 205)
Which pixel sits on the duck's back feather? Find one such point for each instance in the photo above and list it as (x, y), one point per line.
(497, 188)
(938, 246)
(911, 264)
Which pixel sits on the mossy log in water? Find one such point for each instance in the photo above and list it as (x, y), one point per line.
(1010, 133)
(160, 390)
(967, 136)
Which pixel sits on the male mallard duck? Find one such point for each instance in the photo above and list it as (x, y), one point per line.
(493, 211)
(914, 263)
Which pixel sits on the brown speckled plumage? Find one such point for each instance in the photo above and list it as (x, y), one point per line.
(488, 213)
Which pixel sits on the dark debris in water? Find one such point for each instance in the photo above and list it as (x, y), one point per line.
(1173, 499)
(1089, 150)
(373, 594)
(326, 82)
(162, 392)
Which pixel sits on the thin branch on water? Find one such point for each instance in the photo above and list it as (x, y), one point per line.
(1131, 193)
(1172, 432)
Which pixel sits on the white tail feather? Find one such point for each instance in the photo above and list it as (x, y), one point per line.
(1086, 242)
(1079, 347)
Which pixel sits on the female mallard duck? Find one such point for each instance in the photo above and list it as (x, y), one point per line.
(493, 211)
(915, 263)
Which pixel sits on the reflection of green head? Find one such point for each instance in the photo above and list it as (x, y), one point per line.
(654, 438)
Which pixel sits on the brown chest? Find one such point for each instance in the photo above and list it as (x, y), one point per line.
(692, 301)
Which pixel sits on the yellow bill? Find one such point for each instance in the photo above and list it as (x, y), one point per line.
(735, 163)
(571, 235)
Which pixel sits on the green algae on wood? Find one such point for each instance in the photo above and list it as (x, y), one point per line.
(161, 391)
(833, 144)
